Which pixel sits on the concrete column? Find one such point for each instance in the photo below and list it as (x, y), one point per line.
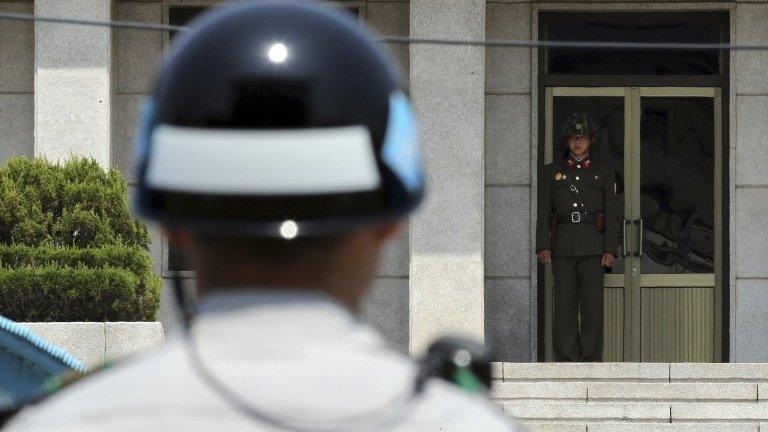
(510, 295)
(749, 194)
(72, 82)
(446, 236)
(17, 83)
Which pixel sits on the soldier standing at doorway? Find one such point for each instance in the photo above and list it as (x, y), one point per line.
(576, 232)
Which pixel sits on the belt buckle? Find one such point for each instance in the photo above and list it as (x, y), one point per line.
(575, 217)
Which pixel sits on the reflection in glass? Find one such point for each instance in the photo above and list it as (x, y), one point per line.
(644, 27)
(608, 113)
(182, 16)
(677, 185)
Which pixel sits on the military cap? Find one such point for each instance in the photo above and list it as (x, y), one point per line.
(578, 124)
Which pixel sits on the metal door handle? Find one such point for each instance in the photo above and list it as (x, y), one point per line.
(639, 223)
(624, 252)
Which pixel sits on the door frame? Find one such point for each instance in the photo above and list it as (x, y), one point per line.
(633, 285)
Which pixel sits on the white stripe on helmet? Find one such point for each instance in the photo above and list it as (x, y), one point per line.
(262, 162)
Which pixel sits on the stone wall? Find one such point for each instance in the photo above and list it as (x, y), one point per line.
(446, 234)
(17, 46)
(73, 82)
(135, 57)
(96, 342)
(749, 196)
(387, 306)
(510, 312)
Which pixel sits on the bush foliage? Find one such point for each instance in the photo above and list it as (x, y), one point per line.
(54, 293)
(75, 204)
(130, 258)
(70, 249)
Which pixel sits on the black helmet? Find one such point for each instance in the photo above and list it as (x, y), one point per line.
(275, 114)
(578, 124)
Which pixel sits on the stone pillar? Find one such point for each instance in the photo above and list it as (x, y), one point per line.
(17, 83)
(72, 82)
(446, 236)
(510, 295)
(749, 194)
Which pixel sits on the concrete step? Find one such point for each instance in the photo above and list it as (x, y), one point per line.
(641, 427)
(718, 372)
(625, 392)
(633, 397)
(673, 392)
(738, 411)
(541, 390)
(672, 427)
(568, 412)
(638, 372)
(554, 427)
(533, 410)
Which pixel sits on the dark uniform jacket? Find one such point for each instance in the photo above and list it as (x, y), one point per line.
(596, 184)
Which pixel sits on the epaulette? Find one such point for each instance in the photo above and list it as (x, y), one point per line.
(29, 363)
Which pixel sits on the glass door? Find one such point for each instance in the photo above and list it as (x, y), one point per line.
(608, 109)
(662, 298)
(676, 203)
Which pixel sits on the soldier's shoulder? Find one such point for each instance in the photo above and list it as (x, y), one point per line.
(605, 166)
(551, 167)
(85, 404)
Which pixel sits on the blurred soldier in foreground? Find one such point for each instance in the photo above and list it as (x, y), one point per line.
(279, 151)
(576, 231)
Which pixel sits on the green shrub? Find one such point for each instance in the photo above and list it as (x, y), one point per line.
(130, 258)
(75, 204)
(70, 249)
(55, 293)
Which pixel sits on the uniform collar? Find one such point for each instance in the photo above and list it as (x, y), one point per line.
(284, 340)
(230, 300)
(584, 163)
(285, 315)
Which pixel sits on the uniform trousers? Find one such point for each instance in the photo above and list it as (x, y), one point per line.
(578, 287)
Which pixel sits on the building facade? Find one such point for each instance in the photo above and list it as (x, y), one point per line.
(694, 281)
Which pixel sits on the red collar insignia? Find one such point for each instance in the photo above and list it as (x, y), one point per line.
(585, 163)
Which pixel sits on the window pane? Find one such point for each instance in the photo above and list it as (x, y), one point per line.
(354, 10)
(642, 27)
(182, 15)
(677, 182)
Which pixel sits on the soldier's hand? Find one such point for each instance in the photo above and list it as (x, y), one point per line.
(608, 260)
(545, 256)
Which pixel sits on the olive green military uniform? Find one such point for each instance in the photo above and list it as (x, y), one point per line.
(577, 251)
